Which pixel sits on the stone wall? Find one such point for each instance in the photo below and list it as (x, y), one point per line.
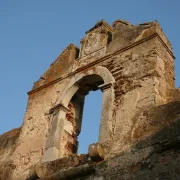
(8, 143)
(134, 68)
(154, 157)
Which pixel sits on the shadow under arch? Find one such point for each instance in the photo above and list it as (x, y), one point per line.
(79, 85)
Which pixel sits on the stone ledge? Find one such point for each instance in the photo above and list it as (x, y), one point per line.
(57, 107)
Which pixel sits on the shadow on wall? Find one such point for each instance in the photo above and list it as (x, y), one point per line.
(154, 157)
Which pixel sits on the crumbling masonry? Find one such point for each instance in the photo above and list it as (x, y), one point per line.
(133, 65)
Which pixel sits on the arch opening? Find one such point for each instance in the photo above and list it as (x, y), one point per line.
(76, 138)
(59, 143)
(90, 121)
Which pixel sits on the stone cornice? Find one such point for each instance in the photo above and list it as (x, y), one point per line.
(105, 87)
(59, 106)
(155, 35)
(101, 23)
(166, 47)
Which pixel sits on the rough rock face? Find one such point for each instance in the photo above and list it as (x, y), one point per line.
(139, 133)
(7, 146)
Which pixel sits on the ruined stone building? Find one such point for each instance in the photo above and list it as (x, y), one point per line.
(139, 134)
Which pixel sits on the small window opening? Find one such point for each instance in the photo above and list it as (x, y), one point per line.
(91, 121)
(82, 123)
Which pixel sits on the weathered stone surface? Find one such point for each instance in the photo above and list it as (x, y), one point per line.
(133, 65)
(43, 170)
(62, 65)
(7, 146)
(96, 152)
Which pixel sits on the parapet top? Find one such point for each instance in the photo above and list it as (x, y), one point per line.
(121, 21)
(99, 24)
(99, 41)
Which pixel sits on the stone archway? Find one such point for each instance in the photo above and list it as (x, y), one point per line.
(54, 140)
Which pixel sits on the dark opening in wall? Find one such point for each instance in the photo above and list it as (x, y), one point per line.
(90, 121)
(82, 120)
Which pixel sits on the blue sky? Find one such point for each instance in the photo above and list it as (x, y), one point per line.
(33, 33)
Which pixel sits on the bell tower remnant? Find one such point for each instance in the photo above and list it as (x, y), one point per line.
(133, 66)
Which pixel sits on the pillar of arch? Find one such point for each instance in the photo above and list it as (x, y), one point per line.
(59, 110)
